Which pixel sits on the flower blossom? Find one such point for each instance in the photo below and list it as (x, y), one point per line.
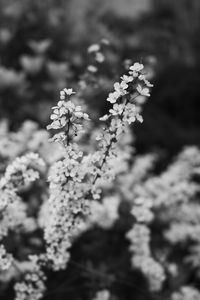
(77, 178)
(31, 287)
(67, 117)
(106, 213)
(94, 48)
(5, 259)
(22, 171)
(102, 295)
(186, 293)
(143, 91)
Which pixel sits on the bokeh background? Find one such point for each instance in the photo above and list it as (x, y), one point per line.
(43, 48)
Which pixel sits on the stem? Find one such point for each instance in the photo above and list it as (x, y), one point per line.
(67, 132)
(113, 139)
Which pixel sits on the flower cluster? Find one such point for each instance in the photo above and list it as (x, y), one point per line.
(29, 138)
(106, 213)
(67, 201)
(22, 171)
(186, 293)
(139, 237)
(123, 113)
(78, 178)
(5, 259)
(169, 199)
(75, 180)
(141, 205)
(13, 214)
(94, 181)
(32, 286)
(96, 51)
(13, 211)
(122, 88)
(67, 117)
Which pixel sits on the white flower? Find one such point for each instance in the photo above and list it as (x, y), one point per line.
(31, 286)
(102, 295)
(92, 69)
(137, 67)
(127, 79)
(106, 213)
(67, 114)
(99, 57)
(93, 48)
(76, 180)
(112, 97)
(62, 95)
(69, 92)
(143, 91)
(104, 118)
(143, 78)
(5, 259)
(23, 171)
(139, 118)
(117, 109)
(186, 293)
(131, 114)
(120, 88)
(105, 42)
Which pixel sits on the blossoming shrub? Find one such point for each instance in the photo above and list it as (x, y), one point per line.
(80, 186)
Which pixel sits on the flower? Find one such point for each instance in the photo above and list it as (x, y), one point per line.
(102, 295)
(69, 92)
(99, 57)
(146, 82)
(105, 41)
(104, 118)
(5, 259)
(68, 117)
(31, 286)
(93, 48)
(78, 181)
(127, 79)
(137, 67)
(143, 91)
(78, 177)
(112, 97)
(106, 213)
(92, 69)
(186, 293)
(117, 109)
(22, 171)
(120, 88)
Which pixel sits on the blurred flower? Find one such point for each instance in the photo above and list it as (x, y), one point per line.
(94, 48)
(32, 65)
(40, 47)
(186, 293)
(10, 78)
(106, 213)
(102, 295)
(5, 259)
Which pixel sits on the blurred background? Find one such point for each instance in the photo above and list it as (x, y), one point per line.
(43, 48)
